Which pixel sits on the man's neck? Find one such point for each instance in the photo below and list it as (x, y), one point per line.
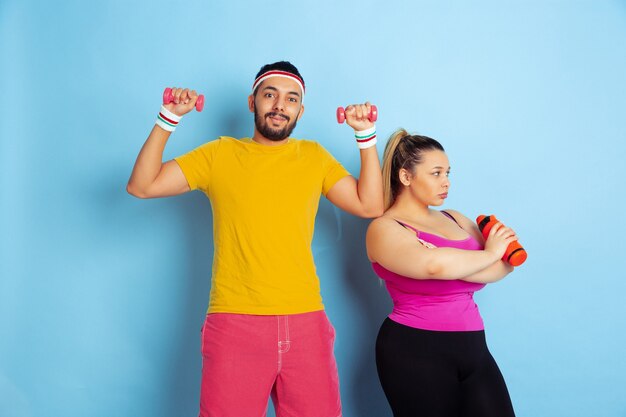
(262, 140)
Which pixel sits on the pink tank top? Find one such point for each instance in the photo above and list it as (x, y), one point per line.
(432, 304)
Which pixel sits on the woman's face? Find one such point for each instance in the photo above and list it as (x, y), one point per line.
(429, 183)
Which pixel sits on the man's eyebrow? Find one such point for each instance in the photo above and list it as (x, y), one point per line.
(269, 87)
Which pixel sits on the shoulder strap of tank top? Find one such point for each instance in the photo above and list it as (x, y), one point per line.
(451, 217)
(407, 226)
(417, 234)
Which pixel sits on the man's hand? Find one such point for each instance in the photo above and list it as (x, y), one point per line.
(357, 116)
(184, 101)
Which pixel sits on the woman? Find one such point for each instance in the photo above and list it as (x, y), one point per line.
(431, 354)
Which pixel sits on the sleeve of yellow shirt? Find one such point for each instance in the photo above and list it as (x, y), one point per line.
(333, 171)
(197, 164)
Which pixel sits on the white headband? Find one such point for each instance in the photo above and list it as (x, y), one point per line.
(278, 73)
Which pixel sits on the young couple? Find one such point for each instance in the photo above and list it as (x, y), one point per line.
(266, 333)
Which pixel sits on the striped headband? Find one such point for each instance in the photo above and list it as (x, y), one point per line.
(278, 73)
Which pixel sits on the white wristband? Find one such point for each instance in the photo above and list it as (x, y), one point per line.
(167, 120)
(365, 138)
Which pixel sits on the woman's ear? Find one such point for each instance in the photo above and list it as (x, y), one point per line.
(405, 177)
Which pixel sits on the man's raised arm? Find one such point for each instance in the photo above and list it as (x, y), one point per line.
(151, 177)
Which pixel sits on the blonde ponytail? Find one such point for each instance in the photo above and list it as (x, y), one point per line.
(390, 150)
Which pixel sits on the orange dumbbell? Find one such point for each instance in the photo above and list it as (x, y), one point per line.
(515, 254)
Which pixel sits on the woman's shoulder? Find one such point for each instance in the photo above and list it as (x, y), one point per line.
(384, 234)
(384, 228)
(382, 222)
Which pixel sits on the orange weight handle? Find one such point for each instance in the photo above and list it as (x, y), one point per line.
(515, 254)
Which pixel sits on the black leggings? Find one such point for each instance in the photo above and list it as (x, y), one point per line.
(428, 373)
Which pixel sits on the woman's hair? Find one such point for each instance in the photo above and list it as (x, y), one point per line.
(403, 151)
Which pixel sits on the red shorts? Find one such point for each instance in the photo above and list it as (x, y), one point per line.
(248, 358)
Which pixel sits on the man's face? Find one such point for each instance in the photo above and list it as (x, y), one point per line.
(277, 107)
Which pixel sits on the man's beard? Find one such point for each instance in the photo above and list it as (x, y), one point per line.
(275, 135)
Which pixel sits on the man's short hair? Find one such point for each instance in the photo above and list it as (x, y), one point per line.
(280, 68)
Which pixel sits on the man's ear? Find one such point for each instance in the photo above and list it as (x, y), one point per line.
(251, 103)
(301, 112)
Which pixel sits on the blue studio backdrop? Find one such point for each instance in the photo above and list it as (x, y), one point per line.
(102, 295)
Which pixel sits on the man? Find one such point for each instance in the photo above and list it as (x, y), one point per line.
(266, 333)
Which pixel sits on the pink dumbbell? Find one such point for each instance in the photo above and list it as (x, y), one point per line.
(168, 97)
(341, 114)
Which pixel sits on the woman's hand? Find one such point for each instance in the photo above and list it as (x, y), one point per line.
(498, 239)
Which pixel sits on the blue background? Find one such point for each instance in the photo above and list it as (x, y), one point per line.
(102, 295)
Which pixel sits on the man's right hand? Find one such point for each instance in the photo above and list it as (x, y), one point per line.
(184, 101)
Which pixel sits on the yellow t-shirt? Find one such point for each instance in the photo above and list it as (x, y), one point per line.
(264, 201)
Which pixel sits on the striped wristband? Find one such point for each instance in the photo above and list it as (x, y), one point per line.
(167, 120)
(365, 138)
